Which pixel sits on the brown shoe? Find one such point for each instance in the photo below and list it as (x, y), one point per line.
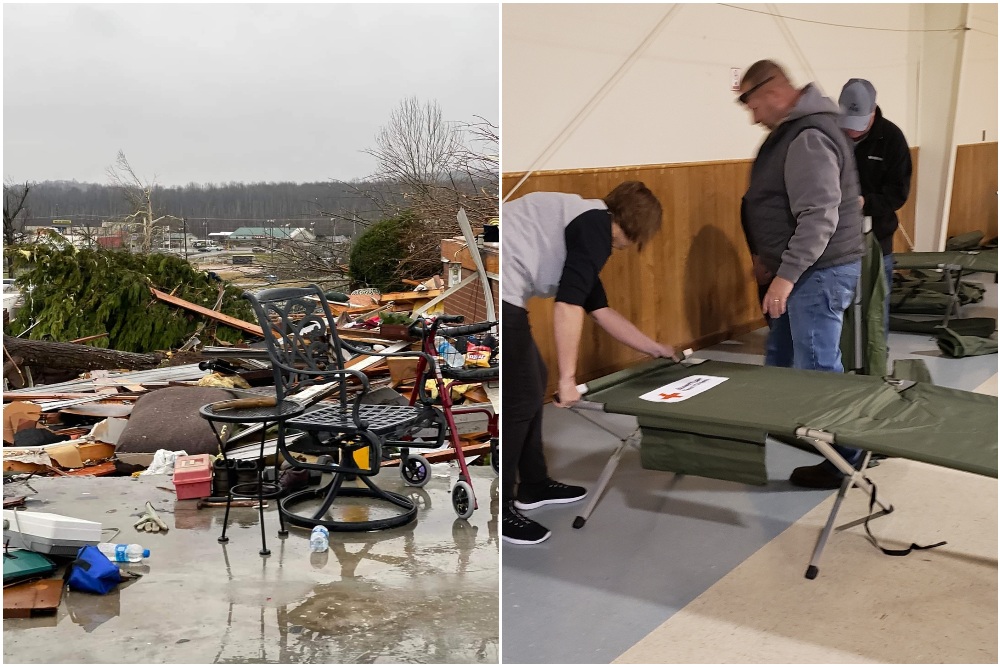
(819, 476)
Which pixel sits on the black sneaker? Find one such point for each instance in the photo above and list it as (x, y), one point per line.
(549, 492)
(519, 529)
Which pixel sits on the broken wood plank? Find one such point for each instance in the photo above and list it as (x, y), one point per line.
(410, 296)
(59, 396)
(229, 321)
(97, 470)
(32, 598)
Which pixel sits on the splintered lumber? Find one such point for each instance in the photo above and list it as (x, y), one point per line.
(229, 321)
(410, 296)
(71, 356)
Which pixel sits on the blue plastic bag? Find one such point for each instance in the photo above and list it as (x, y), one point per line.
(92, 572)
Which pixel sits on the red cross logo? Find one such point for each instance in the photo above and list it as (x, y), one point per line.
(669, 396)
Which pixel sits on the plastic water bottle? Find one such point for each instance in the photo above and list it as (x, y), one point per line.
(449, 352)
(123, 553)
(320, 539)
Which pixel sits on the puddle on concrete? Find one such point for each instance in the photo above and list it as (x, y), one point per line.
(425, 592)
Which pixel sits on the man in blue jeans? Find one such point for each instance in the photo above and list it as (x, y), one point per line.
(802, 218)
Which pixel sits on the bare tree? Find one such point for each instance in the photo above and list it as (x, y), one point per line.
(417, 146)
(14, 198)
(138, 192)
(437, 167)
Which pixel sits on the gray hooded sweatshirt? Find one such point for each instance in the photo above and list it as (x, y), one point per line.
(802, 209)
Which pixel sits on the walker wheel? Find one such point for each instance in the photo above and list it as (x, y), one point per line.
(415, 470)
(463, 500)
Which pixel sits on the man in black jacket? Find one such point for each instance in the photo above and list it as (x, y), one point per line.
(884, 166)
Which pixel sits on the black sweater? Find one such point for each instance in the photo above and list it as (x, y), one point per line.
(884, 168)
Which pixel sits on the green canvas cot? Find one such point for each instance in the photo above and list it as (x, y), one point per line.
(712, 418)
(970, 260)
(936, 425)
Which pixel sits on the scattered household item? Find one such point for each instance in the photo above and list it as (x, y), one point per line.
(47, 533)
(193, 476)
(150, 521)
(163, 462)
(123, 553)
(19, 564)
(319, 540)
(92, 572)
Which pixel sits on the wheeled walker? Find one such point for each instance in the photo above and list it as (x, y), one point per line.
(414, 468)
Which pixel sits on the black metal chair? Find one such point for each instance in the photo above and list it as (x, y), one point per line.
(308, 358)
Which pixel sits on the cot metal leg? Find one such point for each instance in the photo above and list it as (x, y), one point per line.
(953, 278)
(813, 570)
(609, 467)
(823, 442)
(605, 478)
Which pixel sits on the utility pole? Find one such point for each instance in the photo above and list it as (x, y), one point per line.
(185, 223)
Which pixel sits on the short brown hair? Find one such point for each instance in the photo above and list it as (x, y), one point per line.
(636, 210)
(761, 70)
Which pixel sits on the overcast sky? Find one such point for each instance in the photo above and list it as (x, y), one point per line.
(232, 92)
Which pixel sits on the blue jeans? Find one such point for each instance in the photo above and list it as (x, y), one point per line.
(807, 336)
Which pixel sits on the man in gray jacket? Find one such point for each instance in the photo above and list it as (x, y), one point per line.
(802, 218)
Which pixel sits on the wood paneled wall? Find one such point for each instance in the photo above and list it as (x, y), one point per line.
(974, 192)
(689, 287)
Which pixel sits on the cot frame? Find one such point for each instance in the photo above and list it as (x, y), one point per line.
(822, 441)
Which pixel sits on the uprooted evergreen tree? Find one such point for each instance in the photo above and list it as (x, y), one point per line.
(71, 294)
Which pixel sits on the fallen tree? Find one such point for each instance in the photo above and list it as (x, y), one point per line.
(71, 356)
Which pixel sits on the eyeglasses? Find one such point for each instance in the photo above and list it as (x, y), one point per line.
(742, 99)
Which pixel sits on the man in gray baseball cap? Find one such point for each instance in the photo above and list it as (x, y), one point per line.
(884, 165)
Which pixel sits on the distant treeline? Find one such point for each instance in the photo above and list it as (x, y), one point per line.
(217, 208)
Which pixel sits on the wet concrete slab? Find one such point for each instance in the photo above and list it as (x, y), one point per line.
(425, 592)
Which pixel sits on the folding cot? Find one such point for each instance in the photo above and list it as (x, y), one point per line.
(711, 418)
(952, 264)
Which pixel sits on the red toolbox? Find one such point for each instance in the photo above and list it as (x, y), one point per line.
(193, 476)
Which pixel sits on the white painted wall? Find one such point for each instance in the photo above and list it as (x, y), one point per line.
(977, 102)
(599, 85)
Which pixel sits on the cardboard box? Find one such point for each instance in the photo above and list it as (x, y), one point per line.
(70, 454)
(193, 476)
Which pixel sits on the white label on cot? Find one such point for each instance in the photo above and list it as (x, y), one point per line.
(675, 392)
